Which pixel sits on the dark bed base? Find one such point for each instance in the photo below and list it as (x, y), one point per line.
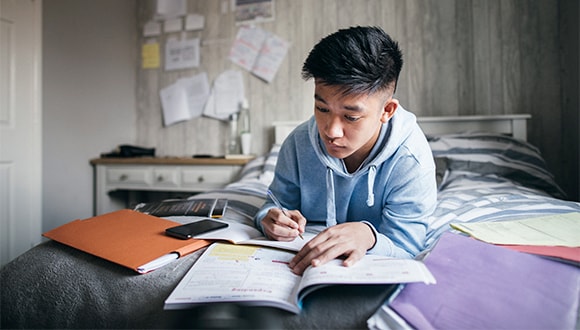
(55, 286)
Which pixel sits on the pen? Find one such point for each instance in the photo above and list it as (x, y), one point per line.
(277, 202)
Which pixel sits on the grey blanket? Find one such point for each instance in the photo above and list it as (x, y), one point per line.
(55, 286)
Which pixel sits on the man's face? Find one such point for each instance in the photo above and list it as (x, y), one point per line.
(349, 124)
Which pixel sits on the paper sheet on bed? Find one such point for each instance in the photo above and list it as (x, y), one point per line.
(552, 230)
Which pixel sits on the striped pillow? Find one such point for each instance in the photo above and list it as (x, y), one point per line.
(260, 166)
(495, 154)
(252, 169)
(272, 158)
(267, 174)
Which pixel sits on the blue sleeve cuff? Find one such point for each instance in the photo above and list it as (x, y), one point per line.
(384, 246)
(260, 215)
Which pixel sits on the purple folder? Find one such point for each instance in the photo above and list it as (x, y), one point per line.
(482, 286)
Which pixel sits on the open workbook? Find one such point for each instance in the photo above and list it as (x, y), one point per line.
(239, 217)
(243, 234)
(260, 276)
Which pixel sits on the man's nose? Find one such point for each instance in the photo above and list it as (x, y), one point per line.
(334, 128)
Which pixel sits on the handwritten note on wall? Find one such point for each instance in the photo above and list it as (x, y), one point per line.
(181, 54)
(185, 99)
(226, 95)
(258, 51)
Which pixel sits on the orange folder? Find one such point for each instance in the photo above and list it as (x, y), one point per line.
(128, 238)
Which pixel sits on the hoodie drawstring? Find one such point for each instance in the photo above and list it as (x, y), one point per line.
(330, 200)
(371, 185)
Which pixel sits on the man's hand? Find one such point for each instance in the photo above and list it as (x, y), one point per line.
(279, 227)
(350, 240)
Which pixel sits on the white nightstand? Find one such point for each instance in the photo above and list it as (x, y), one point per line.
(159, 174)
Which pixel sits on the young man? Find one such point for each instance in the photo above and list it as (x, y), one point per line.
(361, 165)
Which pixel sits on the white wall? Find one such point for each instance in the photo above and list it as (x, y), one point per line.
(89, 73)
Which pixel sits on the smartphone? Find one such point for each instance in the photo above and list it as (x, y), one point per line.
(192, 229)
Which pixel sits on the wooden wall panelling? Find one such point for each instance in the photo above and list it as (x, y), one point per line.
(484, 45)
(462, 57)
(445, 58)
(569, 35)
(510, 60)
(487, 52)
(540, 86)
(464, 46)
(413, 47)
(216, 38)
(392, 21)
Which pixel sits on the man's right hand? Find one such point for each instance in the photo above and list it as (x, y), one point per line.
(277, 226)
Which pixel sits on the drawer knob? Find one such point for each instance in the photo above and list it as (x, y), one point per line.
(200, 179)
(160, 178)
(123, 177)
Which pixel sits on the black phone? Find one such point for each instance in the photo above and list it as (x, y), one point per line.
(192, 229)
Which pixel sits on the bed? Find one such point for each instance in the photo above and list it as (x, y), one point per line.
(485, 172)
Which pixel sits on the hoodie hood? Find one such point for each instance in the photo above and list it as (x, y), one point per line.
(392, 135)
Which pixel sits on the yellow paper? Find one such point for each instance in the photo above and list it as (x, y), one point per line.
(150, 56)
(552, 230)
(233, 252)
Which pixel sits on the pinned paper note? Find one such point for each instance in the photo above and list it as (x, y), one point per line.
(170, 8)
(249, 11)
(247, 45)
(185, 99)
(270, 57)
(172, 25)
(150, 56)
(194, 22)
(226, 95)
(152, 29)
(197, 91)
(174, 103)
(258, 51)
(181, 54)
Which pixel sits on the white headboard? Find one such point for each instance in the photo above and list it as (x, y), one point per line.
(282, 129)
(513, 125)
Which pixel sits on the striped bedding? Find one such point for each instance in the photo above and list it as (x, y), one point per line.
(257, 175)
(472, 197)
(481, 177)
(490, 177)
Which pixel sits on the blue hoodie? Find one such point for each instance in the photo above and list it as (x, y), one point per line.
(394, 189)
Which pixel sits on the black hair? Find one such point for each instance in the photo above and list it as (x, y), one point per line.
(358, 59)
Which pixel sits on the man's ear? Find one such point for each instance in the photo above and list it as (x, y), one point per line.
(389, 109)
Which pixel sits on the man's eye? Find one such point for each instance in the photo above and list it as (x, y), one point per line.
(351, 118)
(321, 109)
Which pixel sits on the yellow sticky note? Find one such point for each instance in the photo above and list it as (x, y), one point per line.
(233, 252)
(150, 56)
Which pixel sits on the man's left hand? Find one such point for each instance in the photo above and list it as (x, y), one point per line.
(350, 240)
